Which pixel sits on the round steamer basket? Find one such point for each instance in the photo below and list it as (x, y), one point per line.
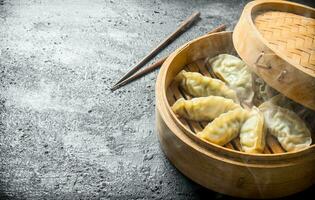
(223, 169)
(276, 39)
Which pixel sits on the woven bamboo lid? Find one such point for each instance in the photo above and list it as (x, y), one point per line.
(277, 40)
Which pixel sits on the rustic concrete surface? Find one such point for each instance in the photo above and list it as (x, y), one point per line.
(63, 134)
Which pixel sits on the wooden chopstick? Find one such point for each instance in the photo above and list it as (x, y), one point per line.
(181, 29)
(141, 73)
(156, 65)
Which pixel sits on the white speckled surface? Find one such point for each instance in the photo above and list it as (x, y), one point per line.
(63, 133)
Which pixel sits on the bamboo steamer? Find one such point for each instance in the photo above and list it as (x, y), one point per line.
(223, 169)
(277, 40)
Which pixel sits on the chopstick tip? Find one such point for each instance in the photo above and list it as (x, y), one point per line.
(113, 88)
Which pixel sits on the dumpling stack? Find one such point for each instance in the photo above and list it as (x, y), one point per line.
(219, 102)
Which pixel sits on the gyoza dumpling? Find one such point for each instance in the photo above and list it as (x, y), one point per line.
(235, 73)
(253, 132)
(286, 126)
(198, 85)
(203, 108)
(224, 128)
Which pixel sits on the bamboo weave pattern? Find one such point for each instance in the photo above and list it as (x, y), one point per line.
(291, 34)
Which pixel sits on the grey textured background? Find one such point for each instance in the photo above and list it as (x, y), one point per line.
(63, 134)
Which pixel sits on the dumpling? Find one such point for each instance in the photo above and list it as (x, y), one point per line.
(286, 126)
(224, 128)
(198, 85)
(203, 108)
(235, 73)
(253, 133)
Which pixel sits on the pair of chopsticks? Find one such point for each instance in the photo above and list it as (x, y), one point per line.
(181, 29)
(131, 75)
